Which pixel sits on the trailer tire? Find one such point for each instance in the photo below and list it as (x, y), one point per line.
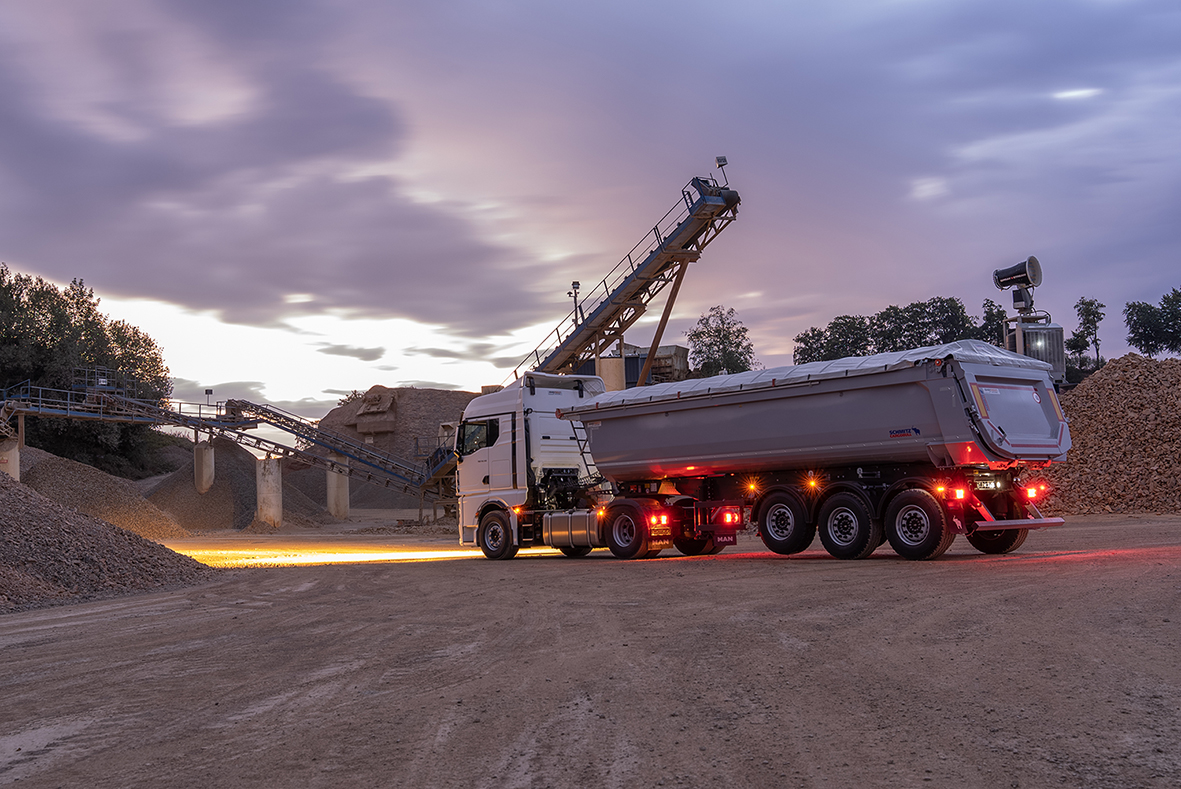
(783, 524)
(495, 536)
(574, 551)
(846, 528)
(997, 540)
(917, 527)
(625, 532)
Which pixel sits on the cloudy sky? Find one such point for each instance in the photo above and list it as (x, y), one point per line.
(299, 198)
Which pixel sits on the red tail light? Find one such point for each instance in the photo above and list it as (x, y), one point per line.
(961, 494)
(1031, 493)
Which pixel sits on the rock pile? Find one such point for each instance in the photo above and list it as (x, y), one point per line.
(392, 420)
(50, 554)
(1125, 426)
(232, 501)
(99, 495)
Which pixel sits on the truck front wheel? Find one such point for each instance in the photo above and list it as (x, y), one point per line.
(846, 529)
(916, 526)
(784, 526)
(495, 537)
(625, 533)
(997, 540)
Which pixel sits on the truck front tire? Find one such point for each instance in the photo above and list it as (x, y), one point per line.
(917, 527)
(495, 537)
(626, 536)
(846, 528)
(783, 524)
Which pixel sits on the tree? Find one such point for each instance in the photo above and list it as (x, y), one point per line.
(45, 335)
(847, 335)
(992, 328)
(933, 322)
(1090, 313)
(809, 346)
(1152, 329)
(719, 343)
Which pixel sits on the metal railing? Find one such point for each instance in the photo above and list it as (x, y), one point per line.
(622, 296)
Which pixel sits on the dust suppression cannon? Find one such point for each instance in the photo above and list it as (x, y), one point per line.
(1031, 332)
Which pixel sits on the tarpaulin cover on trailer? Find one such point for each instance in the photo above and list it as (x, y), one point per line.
(965, 351)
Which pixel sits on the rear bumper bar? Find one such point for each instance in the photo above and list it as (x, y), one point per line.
(1020, 523)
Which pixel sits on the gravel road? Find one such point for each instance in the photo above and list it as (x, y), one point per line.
(1054, 666)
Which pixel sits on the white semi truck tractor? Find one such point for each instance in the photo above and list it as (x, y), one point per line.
(913, 448)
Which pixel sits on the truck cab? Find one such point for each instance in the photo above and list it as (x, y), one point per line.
(514, 453)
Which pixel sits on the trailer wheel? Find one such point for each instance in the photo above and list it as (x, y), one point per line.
(625, 533)
(574, 551)
(846, 528)
(495, 537)
(784, 526)
(997, 540)
(916, 526)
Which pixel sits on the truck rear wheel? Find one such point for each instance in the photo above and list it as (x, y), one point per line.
(997, 540)
(495, 537)
(846, 529)
(784, 526)
(625, 533)
(917, 527)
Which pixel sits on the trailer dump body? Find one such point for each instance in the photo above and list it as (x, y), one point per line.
(963, 403)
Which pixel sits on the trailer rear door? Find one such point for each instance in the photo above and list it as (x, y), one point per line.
(1017, 411)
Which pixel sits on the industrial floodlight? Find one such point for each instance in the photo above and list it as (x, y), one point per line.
(721, 161)
(1026, 274)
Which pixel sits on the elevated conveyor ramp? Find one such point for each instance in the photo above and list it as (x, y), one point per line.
(705, 209)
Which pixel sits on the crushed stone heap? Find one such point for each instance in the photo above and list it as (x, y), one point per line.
(50, 554)
(232, 501)
(99, 495)
(1125, 426)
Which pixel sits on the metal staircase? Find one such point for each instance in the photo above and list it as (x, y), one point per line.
(705, 209)
(96, 397)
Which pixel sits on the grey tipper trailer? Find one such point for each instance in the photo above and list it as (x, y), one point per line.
(914, 447)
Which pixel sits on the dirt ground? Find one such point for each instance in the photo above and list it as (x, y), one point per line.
(1054, 666)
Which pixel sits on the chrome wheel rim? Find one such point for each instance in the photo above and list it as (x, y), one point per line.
(913, 525)
(842, 526)
(624, 531)
(781, 522)
(494, 536)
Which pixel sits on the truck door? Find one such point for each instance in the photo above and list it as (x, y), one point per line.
(473, 444)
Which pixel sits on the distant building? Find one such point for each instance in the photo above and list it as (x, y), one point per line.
(671, 363)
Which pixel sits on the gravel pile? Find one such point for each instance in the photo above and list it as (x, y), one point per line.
(232, 501)
(1125, 426)
(50, 554)
(99, 495)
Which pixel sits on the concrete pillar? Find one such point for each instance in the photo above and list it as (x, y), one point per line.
(268, 479)
(338, 489)
(10, 458)
(203, 466)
